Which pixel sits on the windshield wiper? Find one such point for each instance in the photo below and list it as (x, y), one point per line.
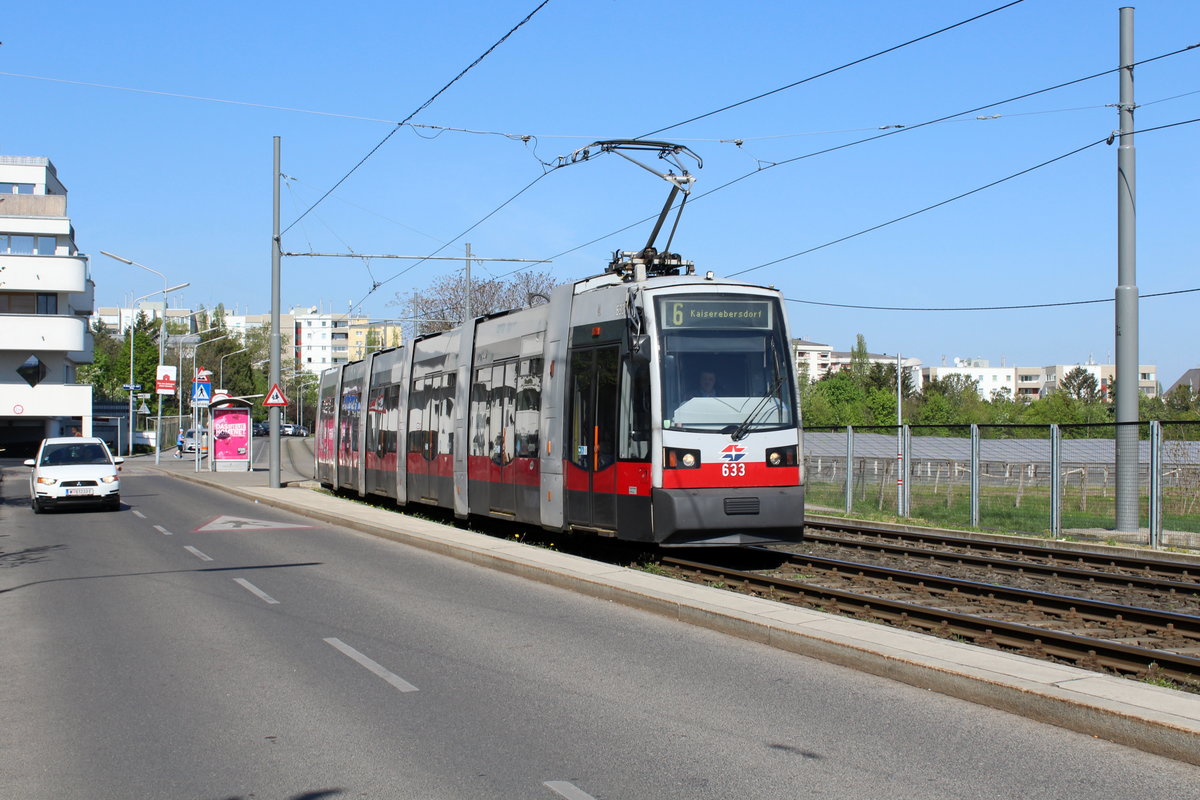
(743, 428)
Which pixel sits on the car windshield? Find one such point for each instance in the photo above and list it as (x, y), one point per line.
(57, 455)
(725, 365)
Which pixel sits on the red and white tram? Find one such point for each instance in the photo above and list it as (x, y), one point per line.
(647, 403)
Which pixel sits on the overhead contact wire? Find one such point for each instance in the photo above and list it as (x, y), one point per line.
(422, 107)
(833, 70)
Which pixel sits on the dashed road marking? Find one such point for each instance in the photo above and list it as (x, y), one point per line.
(567, 790)
(162, 530)
(138, 514)
(254, 590)
(197, 553)
(390, 677)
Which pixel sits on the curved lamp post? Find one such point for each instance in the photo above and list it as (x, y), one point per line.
(132, 332)
(194, 421)
(222, 369)
(161, 336)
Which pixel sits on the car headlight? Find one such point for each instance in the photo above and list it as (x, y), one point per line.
(46, 481)
(109, 479)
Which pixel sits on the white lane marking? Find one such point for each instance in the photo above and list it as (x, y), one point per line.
(138, 514)
(254, 590)
(567, 790)
(197, 553)
(162, 530)
(390, 677)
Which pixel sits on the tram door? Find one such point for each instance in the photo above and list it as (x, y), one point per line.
(422, 440)
(592, 438)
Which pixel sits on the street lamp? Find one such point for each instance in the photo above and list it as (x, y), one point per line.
(161, 336)
(132, 332)
(222, 370)
(195, 425)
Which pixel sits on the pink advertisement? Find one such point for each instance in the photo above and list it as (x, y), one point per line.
(231, 434)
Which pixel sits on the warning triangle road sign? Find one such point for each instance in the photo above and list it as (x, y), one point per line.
(227, 523)
(275, 397)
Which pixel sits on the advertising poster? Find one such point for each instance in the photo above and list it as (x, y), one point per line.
(231, 434)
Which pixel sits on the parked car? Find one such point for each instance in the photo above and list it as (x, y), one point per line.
(299, 430)
(261, 429)
(287, 429)
(191, 440)
(74, 470)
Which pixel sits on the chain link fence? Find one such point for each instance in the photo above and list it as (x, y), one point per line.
(1039, 479)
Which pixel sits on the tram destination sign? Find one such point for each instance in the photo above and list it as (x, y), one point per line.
(723, 313)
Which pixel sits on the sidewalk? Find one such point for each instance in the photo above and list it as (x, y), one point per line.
(1139, 715)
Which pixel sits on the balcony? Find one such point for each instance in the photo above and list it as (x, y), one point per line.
(43, 333)
(33, 205)
(44, 273)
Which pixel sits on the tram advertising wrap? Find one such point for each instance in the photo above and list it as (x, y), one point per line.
(646, 404)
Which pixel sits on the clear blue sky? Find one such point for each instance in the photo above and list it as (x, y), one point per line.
(184, 185)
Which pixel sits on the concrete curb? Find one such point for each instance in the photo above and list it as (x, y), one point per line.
(1150, 718)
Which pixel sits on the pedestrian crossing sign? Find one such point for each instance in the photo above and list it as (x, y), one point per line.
(201, 393)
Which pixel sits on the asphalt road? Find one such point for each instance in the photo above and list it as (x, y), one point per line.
(195, 645)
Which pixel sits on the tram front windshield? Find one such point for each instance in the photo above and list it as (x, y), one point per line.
(725, 364)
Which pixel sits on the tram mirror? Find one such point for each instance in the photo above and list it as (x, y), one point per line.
(639, 348)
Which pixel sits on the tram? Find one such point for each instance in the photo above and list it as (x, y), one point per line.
(647, 403)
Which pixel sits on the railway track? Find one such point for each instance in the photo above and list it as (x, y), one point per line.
(1031, 556)
(1096, 635)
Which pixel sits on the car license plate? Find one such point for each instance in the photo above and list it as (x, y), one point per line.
(78, 491)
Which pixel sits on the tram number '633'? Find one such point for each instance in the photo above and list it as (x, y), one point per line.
(733, 470)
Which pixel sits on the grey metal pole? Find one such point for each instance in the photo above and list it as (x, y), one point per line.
(1055, 481)
(276, 342)
(1156, 476)
(162, 335)
(849, 469)
(900, 510)
(467, 315)
(129, 451)
(974, 475)
(1127, 295)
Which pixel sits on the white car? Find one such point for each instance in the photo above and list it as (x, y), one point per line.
(74, 470)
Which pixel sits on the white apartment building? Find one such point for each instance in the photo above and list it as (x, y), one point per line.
(46, 295)
(322, 340)
(1034, 382)
(817, 360)
(989, 381)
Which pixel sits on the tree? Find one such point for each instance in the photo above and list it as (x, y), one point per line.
(1081, 385)
(860, 364)
(443, 304)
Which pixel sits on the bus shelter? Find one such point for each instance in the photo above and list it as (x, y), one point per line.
(231, 434)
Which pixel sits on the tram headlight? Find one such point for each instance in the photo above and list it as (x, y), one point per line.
(676, 458)
(781, 457)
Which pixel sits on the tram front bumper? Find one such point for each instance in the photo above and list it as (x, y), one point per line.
(728, 516)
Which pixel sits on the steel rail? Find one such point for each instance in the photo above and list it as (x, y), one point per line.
(1099, 609)
(1088, 653)
(1007, 565)
(1182, 570)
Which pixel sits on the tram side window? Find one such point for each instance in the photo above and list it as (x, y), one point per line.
(634, 427)
(445, 420)
(580, 438)
(416, 410)
(480, 390)
(529, 407)
(391, 408)
(607, 401)
(503, 412)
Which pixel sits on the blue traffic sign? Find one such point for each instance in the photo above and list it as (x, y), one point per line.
(201, 393)
(131, 387)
